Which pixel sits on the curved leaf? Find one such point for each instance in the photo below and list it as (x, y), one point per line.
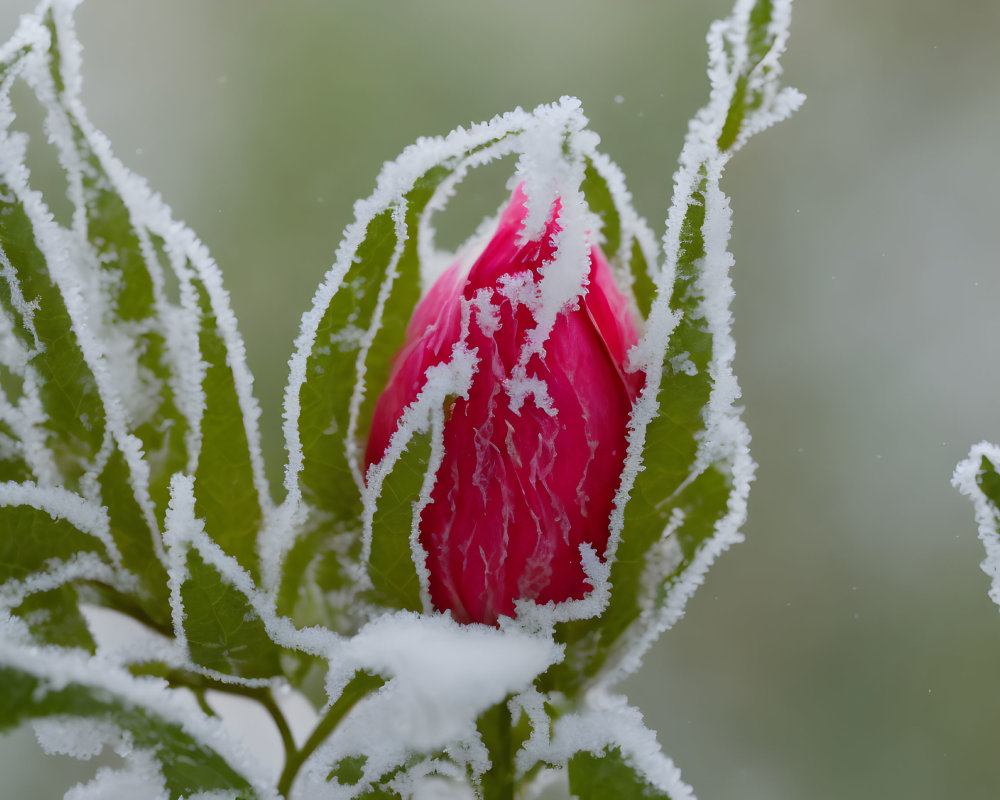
(32, 686)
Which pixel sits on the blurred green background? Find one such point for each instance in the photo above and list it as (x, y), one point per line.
(848, 648)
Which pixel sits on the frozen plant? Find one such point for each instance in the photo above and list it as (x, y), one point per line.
(496, 497)
(978, 477)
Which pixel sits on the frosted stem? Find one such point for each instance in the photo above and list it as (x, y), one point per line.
(498, 781)
(362, 684)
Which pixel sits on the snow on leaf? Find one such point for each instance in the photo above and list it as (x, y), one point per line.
(440, 677)
(592, 777)
(49, 523)
(688, 448)
(53, 616)
(628, 242)
(65, 430)
(124, 261)
(211, 597)
(193, 752)
(978, 477)
(395, 580)
(109, 384)
(610, 752)
(50, 538)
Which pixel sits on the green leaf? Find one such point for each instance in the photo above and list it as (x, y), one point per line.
(675, 492)
(44, 529)
(135, 541)
(54, 617)
(348, 771)
(328, 477)
(188, 765)
(398, 306)
(30, 539)
(620, 244)
(71, 404)
(223, 631)
(749, 94)
(327, 480)
(598, 777)
(13, 467)
(670, 452)
(227, 498)
(988, 479)
(74, 421)
(643, 288)
(318, 565)
(125, 245)
(601, 202)
(502, 740)
(332, 367)
(380, 793)
(390, 564)
(74, 413)
(703, 502)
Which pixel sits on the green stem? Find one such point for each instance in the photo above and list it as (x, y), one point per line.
(360, 685)
(266, 699)
(200, 697)
(495, 727)
(199, 684)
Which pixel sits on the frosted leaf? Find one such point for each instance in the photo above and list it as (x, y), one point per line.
(169, 376)
(140, 778)
(977, 478)
(51, 538)
(72, 736)
(688, 448)
(59, 504)
(611, 729)
(165, 723)
(219, 617)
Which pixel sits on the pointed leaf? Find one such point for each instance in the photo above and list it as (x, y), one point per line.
(361, 328)
(752, 90)
(596, 777)
(54, 617)
(623, 245)
(327, 479)
(227, 497)
(74, 412)
(222, 630)
(602, 202)
(684, 501)
(390, 564)
(31, 539)
(134, 540)
(978, 477)
(988, 480)
(188, 765)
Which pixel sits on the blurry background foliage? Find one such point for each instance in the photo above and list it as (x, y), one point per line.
(848, 648)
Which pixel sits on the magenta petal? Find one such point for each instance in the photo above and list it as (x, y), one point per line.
(518, 492)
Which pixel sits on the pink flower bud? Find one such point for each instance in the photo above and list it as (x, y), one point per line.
(520, 488)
